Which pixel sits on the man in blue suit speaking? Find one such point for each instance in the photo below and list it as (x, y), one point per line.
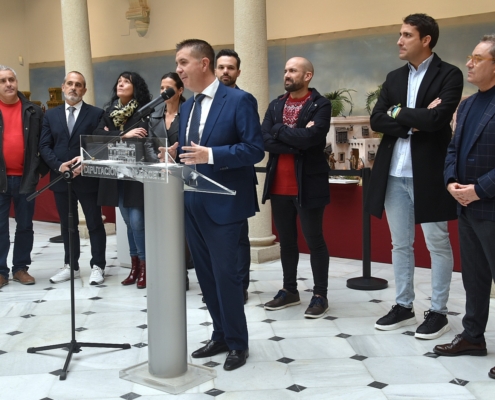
(220, 133)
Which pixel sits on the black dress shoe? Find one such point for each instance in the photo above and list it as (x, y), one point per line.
(235, 359)
(211, 349)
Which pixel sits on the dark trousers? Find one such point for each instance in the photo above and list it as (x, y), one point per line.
(24, 235)
(244, 259)
(476, 238)
(285, 210)
(92, 213)
(215, 250)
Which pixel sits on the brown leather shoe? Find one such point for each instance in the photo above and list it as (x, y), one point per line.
(491, 373)
(460, 347)
(22, 276)
(141, 282)
(133, 275)
(3, 281)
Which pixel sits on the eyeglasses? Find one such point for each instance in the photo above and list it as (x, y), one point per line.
(476, 59)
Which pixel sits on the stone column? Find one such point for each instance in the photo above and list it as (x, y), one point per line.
(250, 40)
(77, 43)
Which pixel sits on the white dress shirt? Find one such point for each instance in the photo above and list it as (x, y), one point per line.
(401, 163)
(209, 93)
(76, 111)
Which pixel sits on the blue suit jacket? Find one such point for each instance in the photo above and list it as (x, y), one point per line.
(480, 165)
(233, 131)
(57, 146)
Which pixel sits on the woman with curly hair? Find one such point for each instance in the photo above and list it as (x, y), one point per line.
(129, 93)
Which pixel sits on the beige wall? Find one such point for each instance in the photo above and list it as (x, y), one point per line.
(292, 18)
(14, 41)
(34, 27)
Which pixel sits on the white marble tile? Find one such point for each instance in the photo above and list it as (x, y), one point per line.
(433, 391)
(481, 390)
(329, 373)
(304, 328)
(407, 370)
(27, 387)
(386, 345)
(354, 392)
(316, 348)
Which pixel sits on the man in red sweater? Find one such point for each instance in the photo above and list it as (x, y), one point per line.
(20, 168)
(294, 130)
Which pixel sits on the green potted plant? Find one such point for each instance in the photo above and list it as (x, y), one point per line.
(371, 98)
(340, 99)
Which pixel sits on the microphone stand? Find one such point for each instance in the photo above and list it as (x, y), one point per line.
(74, 346)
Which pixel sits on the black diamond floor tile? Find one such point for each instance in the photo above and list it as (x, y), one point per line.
(144, 326)
(2, 352)
(28, 316)
(375, 301)
(102, 285)
(46, 398)
(302, 279)
(145, 310)
(431, 355)
(253, 280)
(214, 392)
(257, 292)
(309, 290)
(81, 329)
(285, 360)
(359, 358)
(459, 382)
(269, 321)
(378, 385)
(330, 318)
(49, 288)
(58, 372)
(408, 333)
(140, 345)
(211, 364)
(206, 323)
(130, 396)
(13, 333)
(343, 335)
(455, 314)
(88, 312)
(95, 298)
(203, 308)
(262, 305)
(296, 388)
(39, 301)
(276, 338)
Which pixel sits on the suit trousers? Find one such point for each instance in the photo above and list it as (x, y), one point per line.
(94, 222)
(244, 259)
(478, 271)
(215, 250)
(285, 210)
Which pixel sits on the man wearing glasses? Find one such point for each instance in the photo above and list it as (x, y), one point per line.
(414, 112)
(470, 179)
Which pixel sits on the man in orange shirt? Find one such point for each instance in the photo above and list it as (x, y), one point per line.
(20, 168)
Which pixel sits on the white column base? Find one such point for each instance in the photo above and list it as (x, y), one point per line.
(261, 254)
(195, 375)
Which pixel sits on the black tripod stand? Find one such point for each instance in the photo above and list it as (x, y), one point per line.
(73, 346)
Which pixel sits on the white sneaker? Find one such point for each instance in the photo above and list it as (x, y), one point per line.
(97, 276)
(64, 274)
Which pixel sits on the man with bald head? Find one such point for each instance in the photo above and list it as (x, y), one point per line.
(294, 130)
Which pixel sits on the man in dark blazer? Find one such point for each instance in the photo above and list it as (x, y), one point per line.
(227, 70)
(414, 112)
(220, 133)
(470, 178)
(59, 146)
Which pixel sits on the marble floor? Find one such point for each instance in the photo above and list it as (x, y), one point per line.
(340, 356)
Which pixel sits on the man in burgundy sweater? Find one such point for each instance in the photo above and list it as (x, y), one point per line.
(294, 130)
(20, 168)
